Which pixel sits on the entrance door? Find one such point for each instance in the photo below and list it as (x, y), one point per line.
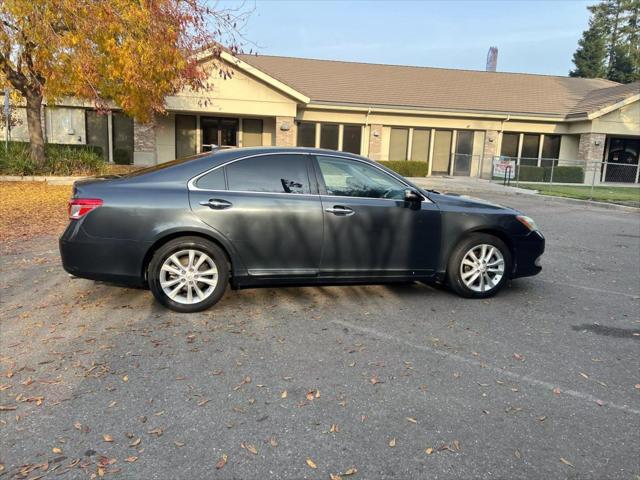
(464, 152)
(622, 160)
(441, 152)
(218, 132)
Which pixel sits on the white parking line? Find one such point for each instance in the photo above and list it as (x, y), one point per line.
(498, 371)
(591, 289)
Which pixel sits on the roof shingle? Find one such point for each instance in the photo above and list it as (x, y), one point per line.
(438, 88)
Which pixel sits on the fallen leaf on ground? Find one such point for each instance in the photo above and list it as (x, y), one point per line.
(273, 442)
(56, 450)
(283, 394)
(125, 378)
(311, 463)
(156, 431)
(518, 454)
(412, 420)
(429, 451)
(351, 471)
(333, 476)
(222, 462)
(107, 438)
(556, 391)
(131, 459)
(203, 402)
(136, 442)
(179, 444)
(600, 402)
(392, 442)
(584, 375)
(6, 408)
(518, 357)
(251, 448)
(567, 462)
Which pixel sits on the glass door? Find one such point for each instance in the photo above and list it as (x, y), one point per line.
(464, 152)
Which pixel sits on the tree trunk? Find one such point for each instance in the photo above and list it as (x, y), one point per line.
(36, 137)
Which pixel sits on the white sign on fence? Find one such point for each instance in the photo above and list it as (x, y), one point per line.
(504, 168)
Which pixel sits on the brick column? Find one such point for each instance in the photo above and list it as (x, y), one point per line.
(375, 142)
(591, 147)
(589, 152)
(286, 132)
(144, 143)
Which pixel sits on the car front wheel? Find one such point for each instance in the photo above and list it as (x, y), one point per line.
(479, 266)
(188, 274)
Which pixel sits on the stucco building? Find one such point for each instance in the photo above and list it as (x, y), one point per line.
(454, 120)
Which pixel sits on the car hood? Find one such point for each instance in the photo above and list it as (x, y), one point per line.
(465, 202)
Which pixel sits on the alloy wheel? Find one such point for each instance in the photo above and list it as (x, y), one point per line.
(482, 268)
(188, 276)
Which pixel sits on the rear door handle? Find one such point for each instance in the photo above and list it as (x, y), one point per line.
(340, 211)
(216, 204)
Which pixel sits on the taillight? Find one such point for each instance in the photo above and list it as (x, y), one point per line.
(79, 207)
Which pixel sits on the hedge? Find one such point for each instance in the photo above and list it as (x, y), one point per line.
(408, 168)
(527, 173)
(564, 174)
(59, 160)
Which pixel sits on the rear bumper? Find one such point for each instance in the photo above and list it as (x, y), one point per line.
(528, 253)
(106, 259)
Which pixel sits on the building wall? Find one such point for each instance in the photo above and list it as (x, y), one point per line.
(165, 138)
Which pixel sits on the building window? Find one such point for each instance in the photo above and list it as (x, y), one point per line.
(509, 146)
(550, 150)
(122, 139)
(97, 128)
(352, 138)
(420, 145)
(185, 135)
(218, 132)
(398, 144)
(530, 149)
(251, 132)
(329, 136)
(441, 151)
(306, 134)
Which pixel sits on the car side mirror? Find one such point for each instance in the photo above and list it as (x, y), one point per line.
(412, 196)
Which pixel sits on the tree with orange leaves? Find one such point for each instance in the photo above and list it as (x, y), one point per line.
(131, 53)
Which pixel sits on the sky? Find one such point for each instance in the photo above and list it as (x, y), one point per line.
(531, 36)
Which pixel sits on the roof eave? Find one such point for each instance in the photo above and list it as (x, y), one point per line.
(325, 105)
(257, 73)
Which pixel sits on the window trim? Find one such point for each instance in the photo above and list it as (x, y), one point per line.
(192, 187)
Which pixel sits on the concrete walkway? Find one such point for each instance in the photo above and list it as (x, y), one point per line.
(467, 185)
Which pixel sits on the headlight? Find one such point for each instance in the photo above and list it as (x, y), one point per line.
(527, 222)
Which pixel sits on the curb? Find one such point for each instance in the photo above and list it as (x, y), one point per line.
(573, 201)
(53, 180)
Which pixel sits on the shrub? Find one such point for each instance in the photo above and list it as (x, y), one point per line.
(564, 174)
(59, 160)
(527, 173)
(408, 168)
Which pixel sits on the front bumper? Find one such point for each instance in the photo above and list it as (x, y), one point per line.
(105, 259)
(528, 254)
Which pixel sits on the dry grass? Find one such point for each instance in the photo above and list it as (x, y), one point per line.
(32, 209)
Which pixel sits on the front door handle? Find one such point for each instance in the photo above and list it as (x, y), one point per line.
(340, 211)
(216, 204)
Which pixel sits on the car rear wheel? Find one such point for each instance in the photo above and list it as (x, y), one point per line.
(188, 274)
(479, 266)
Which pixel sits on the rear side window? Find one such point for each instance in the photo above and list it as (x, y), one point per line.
(270, 173)
(213, 180)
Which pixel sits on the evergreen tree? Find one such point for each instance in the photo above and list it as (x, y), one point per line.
(610, 47)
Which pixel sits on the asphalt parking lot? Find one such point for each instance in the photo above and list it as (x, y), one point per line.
(366, 382)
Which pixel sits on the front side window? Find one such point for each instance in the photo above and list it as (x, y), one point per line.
(269, 173)
(351, 178)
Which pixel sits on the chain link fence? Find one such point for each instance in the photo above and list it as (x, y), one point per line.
(513, 171)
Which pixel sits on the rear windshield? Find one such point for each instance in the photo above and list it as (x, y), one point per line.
(162, 166)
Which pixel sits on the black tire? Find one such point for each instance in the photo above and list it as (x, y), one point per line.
(454, 274)
(198, 244)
